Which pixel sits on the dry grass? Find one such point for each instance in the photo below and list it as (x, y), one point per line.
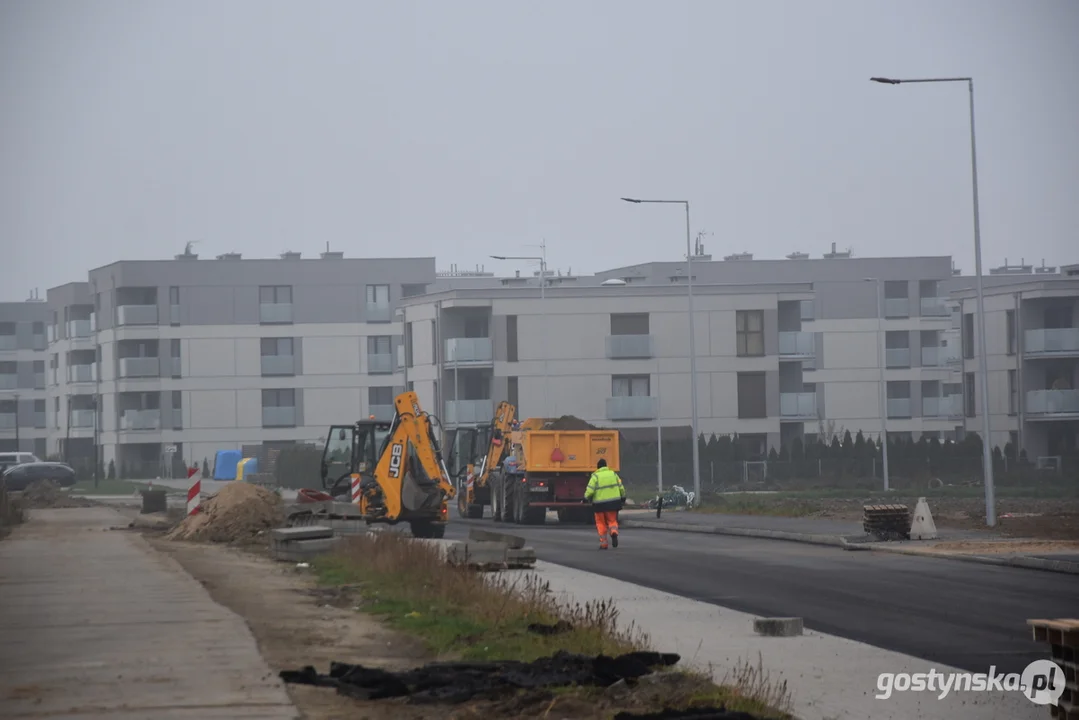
(12, 511)
(462, 613)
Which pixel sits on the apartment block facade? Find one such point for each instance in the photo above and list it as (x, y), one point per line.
(22, 376)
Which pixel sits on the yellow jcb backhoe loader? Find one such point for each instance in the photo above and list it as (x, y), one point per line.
(482, 449)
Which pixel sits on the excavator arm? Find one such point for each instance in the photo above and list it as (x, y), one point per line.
(501, 425)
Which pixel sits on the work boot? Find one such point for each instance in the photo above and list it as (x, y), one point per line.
(614, 539)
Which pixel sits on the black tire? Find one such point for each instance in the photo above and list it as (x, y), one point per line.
(529, 515)
(427, 529)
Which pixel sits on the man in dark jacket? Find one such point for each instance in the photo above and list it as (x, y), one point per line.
(607, 495)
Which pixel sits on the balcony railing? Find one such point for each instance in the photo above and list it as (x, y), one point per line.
(380, 363)
(934, 307)
(39, 419)
(39, 381)
(80, 329)
(136, 315)
(624, 347)
(807, 309)
(140, 367)
(82, 419)
(797, 344)
(1052, 402)
(378, 312)
(798, 405)
(82, 373)
(275, 313)
(899, 407)
(176, 418)
(1060, 341)
(9, 342)
(897, 357)
(39, 342)
(468, 412)
(897, 307)
(7, 421)
(140, 420)
(9, 381)
(278, 365)
(382, 413)
(632, 407)
(468, 350)
(279, 417)
(945, 406)
(400, 356)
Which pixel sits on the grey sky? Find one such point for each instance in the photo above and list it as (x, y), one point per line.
(461, 129)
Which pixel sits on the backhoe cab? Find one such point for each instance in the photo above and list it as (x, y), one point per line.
(399, 467)
(476, 451)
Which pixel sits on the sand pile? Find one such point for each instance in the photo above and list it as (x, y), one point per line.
(44, 494)
(568, 422)
(236, 514)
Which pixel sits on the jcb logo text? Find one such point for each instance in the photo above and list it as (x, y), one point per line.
(396, 455)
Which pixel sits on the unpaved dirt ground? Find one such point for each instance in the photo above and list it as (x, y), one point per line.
(1001, 547)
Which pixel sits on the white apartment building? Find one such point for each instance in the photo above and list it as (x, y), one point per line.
(22, 376)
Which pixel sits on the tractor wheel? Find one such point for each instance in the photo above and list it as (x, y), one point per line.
(474, 512)
(427, 529)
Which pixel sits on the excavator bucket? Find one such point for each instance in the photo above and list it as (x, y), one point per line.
(888, 522)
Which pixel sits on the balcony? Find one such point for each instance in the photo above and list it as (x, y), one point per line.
(807, 309)
(626, 347)
(945, 406)
(1059, 341)
(82, 419)
(275, 313)
(9, 381)
(9, 342)
(1053, 403)
(174, 314)
(82, 373)
(140, 420)
(175, 417)
(801, 405)
(378, 312)
(897, 307)
(382, 413)
(81, 329)
(278, 365)
(39, 381)
(400, 359)
(50, 333)
(899, 407)
(469, 412)
(279, 417)
(632, 407)
(7, 421)
(796, 344)
(136, 315)
(897, 357)
(468, 351)
(379, 363)
(934, 307)
(140, 367)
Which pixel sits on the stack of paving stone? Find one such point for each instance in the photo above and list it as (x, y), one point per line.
(489, 551)
(343, 518)
(1062, 637)
(298, 544)
(887, 521)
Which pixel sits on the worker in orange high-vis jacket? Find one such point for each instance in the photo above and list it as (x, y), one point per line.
(607, 495)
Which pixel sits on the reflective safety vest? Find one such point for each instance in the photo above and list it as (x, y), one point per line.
(604, 486)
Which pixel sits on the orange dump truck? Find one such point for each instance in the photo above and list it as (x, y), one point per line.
(548, 469)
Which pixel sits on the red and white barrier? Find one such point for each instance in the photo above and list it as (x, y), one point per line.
(356, 489)
(194, 496)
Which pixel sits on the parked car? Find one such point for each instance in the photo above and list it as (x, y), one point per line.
(20, 477)
(10, 459)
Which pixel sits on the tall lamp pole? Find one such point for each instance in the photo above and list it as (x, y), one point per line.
(542, 259)
(17, 447)
(692, 346)
(987, 453)
(883, 396)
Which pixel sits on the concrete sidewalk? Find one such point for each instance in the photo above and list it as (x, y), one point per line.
(830, 678)
(95, 624)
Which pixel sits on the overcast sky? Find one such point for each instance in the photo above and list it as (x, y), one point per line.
(462, 129)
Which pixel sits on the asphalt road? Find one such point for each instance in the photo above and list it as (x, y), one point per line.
(961, 614)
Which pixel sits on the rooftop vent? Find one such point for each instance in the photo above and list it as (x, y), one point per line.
(290, 255)
(229, 256)
(333, 255)
(1021, 269)
(798, 256)
(739, 256)
(837, 255)
(1044, 269)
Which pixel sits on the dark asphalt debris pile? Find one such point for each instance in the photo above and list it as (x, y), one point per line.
(569, 422)
(711, 713)
(457, 682)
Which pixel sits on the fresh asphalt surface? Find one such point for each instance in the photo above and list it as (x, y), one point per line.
(961, 614)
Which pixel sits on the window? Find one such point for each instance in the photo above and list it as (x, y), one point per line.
(276, 346)
(381, 395)
(476, 327)
(752, 398)
(279, 398)
(275, 294)
(512, 392)
(1009, 317)
(630, 386)
(629, 324)
(968, 336)
(378, 294)
(511, 338)
(968, 394)
(378, 344)
(38, 327)
(56, 412)
(1013, 392)
(750, 327)
(174, 295)
(39, 414)
(177, 410)
(174, 305)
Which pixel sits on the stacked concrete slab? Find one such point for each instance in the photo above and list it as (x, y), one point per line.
(343, 518)
(298, 544)
(485, 550)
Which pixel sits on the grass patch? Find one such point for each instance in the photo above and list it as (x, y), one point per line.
(463, 614)
(106, 487)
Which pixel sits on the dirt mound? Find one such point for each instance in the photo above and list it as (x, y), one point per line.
(46, 494)
(236, 514)
(568, 422)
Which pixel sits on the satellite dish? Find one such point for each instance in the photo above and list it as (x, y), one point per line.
(613, 282)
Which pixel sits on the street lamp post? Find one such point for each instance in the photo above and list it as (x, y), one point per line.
(987, 453)
(883, 394)
(17, 447)
(692, 346)
(542, 259)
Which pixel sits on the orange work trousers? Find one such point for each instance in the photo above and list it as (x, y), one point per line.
(606, 520)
